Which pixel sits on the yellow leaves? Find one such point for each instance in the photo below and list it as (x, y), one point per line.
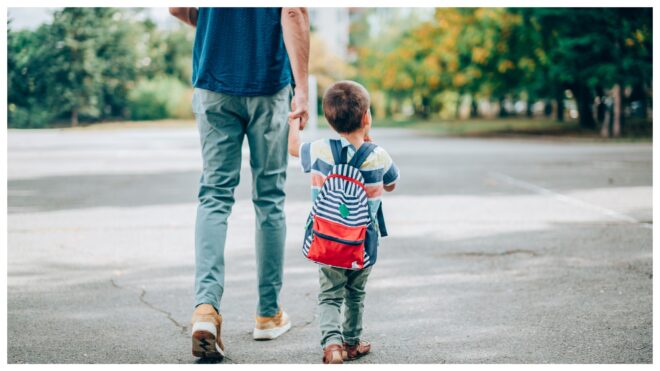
(479, 55)
(434, 81)
(430, 63)
(405, 53)
(639, 35)
(504, 66)
(459, 80)
(630, 42)
(526, 64)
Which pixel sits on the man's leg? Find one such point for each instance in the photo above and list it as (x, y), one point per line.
(267, 133)
(220, 119)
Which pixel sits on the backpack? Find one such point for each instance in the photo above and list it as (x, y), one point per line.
(340, 231)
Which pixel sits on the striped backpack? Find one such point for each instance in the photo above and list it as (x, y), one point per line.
(340, 231)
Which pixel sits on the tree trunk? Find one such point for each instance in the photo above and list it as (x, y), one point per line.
(457, 114)
(529, 112)
(502, 112)
(617, 94)
(74, 117)
(474, 108)
(584, 100)
(600, 107)
(560, 107)
(606, 127)
(547, 108)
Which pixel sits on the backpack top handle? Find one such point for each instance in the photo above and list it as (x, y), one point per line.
(339, 153)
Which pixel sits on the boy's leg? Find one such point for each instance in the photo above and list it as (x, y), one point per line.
(221, 129)
(331, 295)
(354, 305)
(267, 133)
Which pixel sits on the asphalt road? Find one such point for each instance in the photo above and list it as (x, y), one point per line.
(500, 251)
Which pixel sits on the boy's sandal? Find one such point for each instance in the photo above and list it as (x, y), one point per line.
(333, 353)
(357, 350)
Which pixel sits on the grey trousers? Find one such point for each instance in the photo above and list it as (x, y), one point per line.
(341, 287)
(223, 121)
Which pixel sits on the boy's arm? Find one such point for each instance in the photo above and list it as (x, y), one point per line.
(187, 15)
(391, 175)
(294, 138)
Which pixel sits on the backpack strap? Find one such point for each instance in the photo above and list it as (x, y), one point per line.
(338, 152)
(381, 221)
(356, 161)
(361, 154)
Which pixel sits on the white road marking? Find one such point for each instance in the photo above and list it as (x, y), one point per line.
(568, 200)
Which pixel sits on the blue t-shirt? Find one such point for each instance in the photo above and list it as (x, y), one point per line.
(240, 51)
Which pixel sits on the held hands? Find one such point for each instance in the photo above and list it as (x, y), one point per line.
(299, 110)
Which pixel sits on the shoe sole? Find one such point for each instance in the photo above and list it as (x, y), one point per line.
(270, 334)
(202, 340)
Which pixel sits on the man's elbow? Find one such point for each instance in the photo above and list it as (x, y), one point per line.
(177, 12)
(295, 14)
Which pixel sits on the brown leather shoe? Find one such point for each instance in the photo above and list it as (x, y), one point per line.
(333, 354)
(206, 326)
(356, 351)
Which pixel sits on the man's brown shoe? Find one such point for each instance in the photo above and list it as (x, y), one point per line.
(333, 354)
(269, 328)
(206, 325)
(356, 351)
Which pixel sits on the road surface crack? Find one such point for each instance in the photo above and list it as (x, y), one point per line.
(143, 293)
(309, 322)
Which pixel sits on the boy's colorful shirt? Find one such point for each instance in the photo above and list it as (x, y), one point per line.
(378, 169)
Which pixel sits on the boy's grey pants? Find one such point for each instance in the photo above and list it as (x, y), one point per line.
(223, 121)
(341, 286)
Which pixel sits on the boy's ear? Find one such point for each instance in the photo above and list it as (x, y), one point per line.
(366, 118)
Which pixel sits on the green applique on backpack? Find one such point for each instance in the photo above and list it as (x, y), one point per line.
(343, 210)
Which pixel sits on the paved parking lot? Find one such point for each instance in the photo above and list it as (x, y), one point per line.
(500, 251)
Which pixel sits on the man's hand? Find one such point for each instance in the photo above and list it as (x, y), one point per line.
(187, 15)
(299, 110)
(295, 31)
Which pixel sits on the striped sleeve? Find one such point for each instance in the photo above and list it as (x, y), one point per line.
(391, 171)
(305, 157)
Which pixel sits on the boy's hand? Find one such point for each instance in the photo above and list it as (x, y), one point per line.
(367, 138)
(294, 136)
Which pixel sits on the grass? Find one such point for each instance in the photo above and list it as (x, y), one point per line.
(517, 127)
(482, 127)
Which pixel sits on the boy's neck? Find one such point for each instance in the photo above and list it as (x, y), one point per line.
(355, 138)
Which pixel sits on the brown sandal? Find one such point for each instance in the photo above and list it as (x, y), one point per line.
(356, 351)
(333, 354)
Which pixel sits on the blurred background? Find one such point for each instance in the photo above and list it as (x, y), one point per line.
(449, 70)
(524, 142)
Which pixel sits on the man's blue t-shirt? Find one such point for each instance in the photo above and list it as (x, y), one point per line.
(240, 51)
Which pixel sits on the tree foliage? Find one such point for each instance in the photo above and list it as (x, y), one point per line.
(85, 63)
(495, 53)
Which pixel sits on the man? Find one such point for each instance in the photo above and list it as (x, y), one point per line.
(244, 63)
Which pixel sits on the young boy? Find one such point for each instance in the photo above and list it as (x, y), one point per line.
(346, 107)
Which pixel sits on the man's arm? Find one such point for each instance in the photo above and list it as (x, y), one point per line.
(294, 138)
(295, 29)
(187, 15)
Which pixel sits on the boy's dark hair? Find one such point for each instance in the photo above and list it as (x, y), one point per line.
(344, 104)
